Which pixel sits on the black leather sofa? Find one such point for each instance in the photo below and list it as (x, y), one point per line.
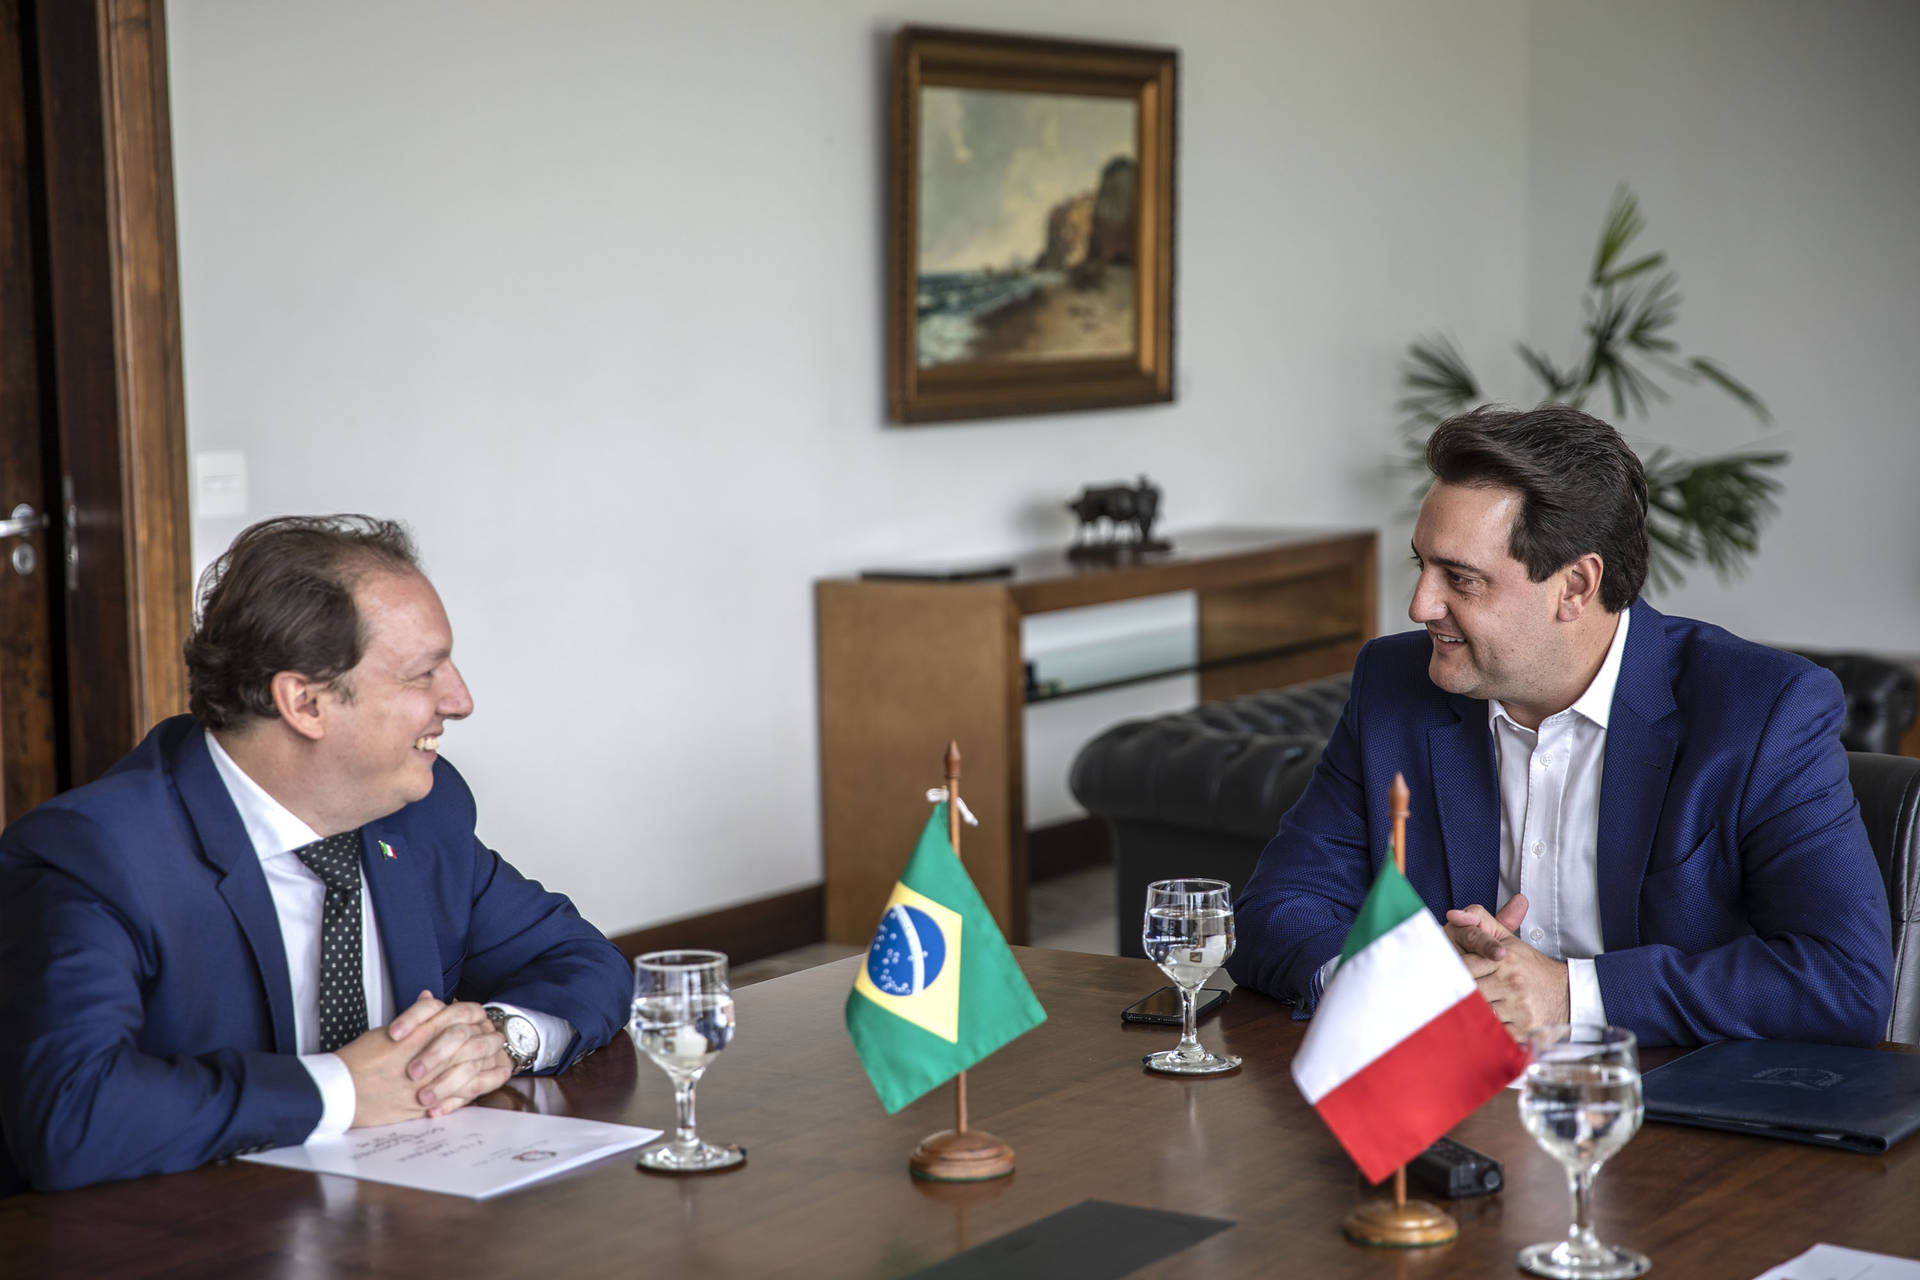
(1199, 793)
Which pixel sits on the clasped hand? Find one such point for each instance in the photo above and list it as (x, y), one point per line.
(1525, 988)
(432, 1059)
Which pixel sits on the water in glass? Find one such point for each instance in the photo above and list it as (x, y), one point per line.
(1580, 1099)
(683, 1036)
(682, 1019)
(1188, 945)
(1581, 1112)
(1188, 932)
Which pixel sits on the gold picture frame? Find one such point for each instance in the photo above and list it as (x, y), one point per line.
(1031, 225)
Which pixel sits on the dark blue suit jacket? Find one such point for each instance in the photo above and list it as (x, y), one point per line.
(1739, 897)
(148, 1023)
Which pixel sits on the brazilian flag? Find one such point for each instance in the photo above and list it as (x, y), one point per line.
(939, 989)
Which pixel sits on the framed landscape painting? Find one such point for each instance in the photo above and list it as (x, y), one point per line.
(1031, 224)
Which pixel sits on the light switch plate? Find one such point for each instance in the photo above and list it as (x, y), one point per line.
(220, 483)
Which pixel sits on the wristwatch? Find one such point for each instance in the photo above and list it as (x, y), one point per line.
(523, 1038)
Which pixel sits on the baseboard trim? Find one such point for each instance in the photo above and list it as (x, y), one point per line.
(747, 931)
(1064, 847)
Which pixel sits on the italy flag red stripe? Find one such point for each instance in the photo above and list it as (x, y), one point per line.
(1393, 1108)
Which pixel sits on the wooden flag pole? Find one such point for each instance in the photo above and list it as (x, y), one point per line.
(953, 838)
(959, 1154)
(1399, 1223)
(1398, 799)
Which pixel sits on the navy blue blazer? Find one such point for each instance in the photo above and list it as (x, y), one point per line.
(146, 1021)
(1739, 897)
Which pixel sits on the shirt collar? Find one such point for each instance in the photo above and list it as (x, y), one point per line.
(270, 825)
(1596, 704)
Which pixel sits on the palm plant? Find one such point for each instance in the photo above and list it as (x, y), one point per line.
(1707, 509)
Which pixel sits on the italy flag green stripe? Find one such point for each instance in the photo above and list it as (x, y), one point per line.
(1390, 901)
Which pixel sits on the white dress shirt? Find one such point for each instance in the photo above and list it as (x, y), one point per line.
(298, 896)
(1550, 826)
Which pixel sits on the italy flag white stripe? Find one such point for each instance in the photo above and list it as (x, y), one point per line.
(1382, 994)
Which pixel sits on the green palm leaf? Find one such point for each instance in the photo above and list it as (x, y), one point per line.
(1709, 510)
(1558, 382)
(1712, 372)
(1437, 383)
(1623, 223)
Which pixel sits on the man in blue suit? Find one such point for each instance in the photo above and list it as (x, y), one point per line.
(217, 946)
(1660, 808)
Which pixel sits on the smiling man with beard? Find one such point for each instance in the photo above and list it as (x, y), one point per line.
(1660, 808)
(272, 921)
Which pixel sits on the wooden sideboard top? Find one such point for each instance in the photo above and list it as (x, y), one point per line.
(1217, 556)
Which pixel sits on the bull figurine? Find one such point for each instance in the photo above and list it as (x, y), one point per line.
(1116, 518)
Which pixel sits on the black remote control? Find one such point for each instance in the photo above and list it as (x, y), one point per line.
(1448, 1169)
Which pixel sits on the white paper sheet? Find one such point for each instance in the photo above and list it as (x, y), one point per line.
(1831, 1262)
(476, 1151)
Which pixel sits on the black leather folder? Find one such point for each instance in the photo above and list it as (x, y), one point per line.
(1829, 1095)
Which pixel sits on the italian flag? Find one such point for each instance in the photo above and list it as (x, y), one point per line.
(1403, 1045)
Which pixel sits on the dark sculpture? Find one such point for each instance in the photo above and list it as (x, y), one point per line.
(1116, 520)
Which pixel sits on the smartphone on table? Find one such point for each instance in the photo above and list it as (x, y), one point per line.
(1162, 1008)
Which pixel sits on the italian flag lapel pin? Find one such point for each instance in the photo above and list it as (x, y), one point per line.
(387, 850)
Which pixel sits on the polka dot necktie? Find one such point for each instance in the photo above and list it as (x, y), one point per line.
(343, 992)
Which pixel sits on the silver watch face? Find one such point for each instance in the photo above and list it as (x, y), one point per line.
(524, 1039)
(523, 1042)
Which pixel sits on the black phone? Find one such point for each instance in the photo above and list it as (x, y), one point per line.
(1162, 1008)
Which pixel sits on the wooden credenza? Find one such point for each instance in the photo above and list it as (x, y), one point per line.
(906, 665)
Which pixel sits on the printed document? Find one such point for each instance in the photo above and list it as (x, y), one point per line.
(476, 1151)
(1831, 1262)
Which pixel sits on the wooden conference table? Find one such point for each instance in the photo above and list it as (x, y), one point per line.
(826, 1190)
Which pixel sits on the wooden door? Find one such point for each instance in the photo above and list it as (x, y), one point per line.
(29, 753)
(92, 416)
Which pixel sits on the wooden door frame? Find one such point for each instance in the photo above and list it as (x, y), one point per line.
(117, 397)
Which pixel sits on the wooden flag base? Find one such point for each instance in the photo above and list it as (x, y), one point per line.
(950, 1156)
(962, 1195)
(1400, 1226)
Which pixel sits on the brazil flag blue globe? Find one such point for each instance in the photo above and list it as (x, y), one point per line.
(940, 989)
(908, 951)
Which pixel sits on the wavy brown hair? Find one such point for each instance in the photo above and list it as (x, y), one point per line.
(1581, 489)
(281, 599)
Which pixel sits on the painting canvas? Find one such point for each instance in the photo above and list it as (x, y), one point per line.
(1027, 226)
(1032, 225)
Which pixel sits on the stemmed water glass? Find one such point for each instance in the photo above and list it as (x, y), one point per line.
(1189, 933)
(1580, 1099)
(682, 1017)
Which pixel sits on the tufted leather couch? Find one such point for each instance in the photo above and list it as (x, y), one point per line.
(1199, 792)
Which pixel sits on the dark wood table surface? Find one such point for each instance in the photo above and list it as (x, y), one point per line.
(826, 1190)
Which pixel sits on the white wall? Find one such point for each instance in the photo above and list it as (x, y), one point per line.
(1775, 146)
(590, 293)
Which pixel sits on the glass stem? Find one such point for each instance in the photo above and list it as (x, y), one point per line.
(1580, 1235)
(683, 1135)
(1189, 1046)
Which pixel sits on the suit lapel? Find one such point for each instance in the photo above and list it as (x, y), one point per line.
(1640, 752)
(224, 843)
(397, 884)
(1464, 794)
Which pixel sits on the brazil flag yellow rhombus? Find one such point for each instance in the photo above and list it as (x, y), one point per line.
(939, 989)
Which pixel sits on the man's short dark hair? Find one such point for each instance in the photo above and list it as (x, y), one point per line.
(281, 599)
(1581, 489)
